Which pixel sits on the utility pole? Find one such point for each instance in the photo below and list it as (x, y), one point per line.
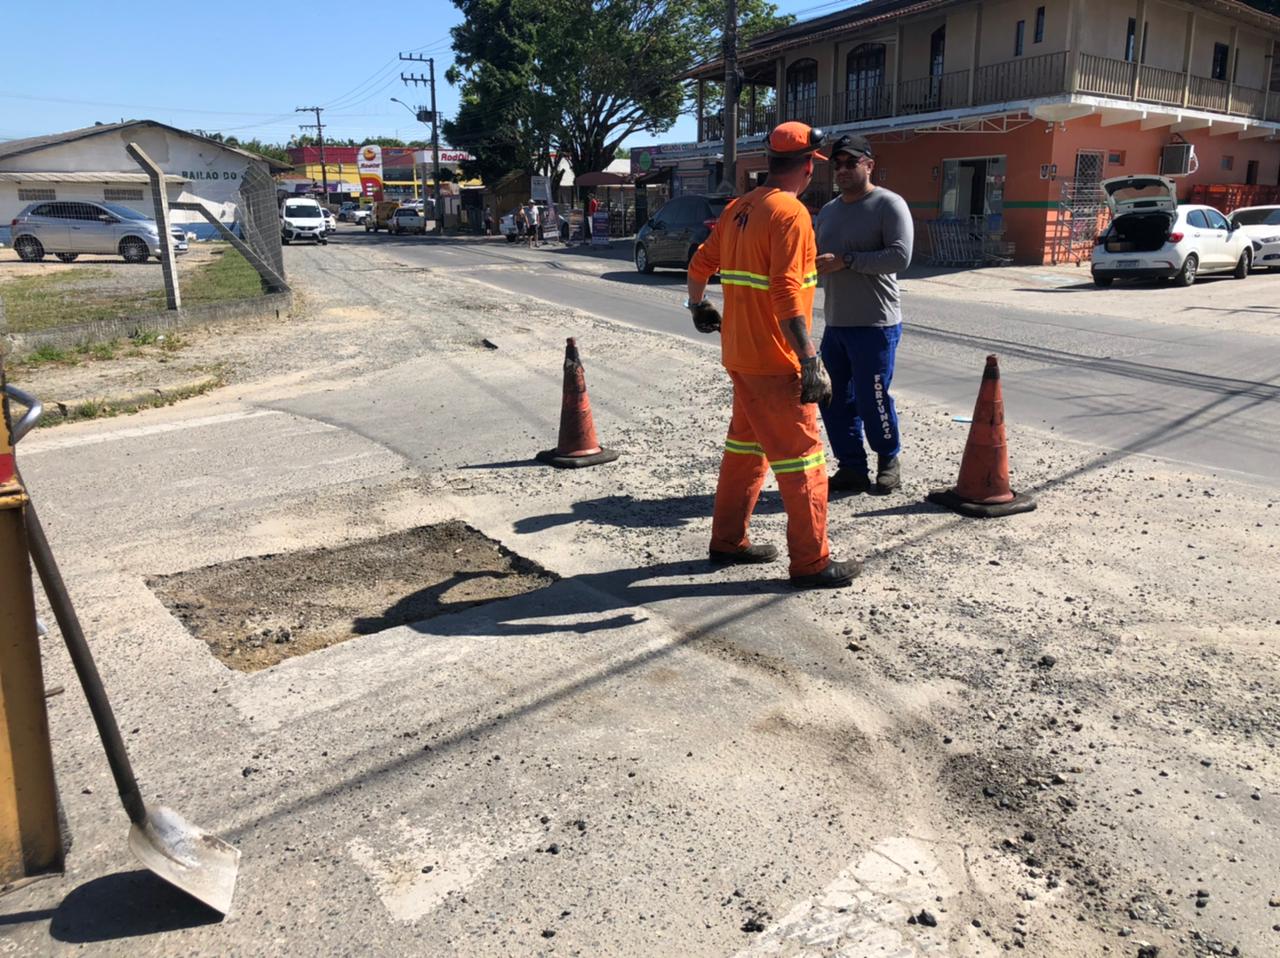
(319, 128)
(731, 96)
(418, 79)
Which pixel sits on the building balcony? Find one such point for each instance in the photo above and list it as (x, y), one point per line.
(1026, 78)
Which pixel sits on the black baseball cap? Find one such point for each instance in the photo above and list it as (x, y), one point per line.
(853, 144)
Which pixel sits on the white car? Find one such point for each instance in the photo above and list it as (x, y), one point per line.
(358, 215)
(302, 218)
(1152, 237)
(1262, 225)
(330, 221)
(407, 220)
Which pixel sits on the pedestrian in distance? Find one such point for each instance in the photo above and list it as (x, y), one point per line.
(865, 237)
(522, 222)
(488, 221)
(764, 250)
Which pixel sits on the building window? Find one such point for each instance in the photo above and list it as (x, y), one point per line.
(121, 194)
(937, 51)
(802, 90)
(865, 93)
(1221, 54)
(1251, 173)
(1130, 33)
(1228, 162)
(35, 195)
(1039, 37)
(1115, 158)
(1019, 34)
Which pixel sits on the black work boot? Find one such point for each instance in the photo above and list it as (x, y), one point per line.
(849, 480)
(888, 475)
(834, 576)
(750, 555)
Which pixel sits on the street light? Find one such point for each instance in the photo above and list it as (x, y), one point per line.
(424, 116)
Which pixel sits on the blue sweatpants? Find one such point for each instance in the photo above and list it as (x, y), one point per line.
(859, 360)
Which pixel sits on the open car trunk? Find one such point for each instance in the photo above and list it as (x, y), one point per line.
(1138, 232)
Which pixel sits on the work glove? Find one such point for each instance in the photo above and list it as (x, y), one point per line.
(706, 318)
(815, 384)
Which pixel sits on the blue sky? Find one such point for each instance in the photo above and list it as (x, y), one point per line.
(234, 66)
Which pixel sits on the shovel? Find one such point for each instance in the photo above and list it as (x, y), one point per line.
(202, 865)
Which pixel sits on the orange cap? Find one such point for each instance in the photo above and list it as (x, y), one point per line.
(794, 138)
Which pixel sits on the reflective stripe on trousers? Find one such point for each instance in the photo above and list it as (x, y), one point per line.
(771, 427)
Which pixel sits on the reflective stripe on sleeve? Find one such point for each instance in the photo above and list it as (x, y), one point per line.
(803, 464)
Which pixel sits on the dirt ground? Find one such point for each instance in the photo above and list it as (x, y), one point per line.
(258, 611)
(1078, 709)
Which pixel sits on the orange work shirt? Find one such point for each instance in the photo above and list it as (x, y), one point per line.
(764, 250)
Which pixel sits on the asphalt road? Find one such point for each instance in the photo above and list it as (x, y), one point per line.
(1189, 395)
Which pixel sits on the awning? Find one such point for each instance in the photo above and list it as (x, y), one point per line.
(13, 176)
(653, 177)
(602, 179)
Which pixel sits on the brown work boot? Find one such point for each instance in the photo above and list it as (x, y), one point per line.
(836, 575)
(749, 555)
(849, 480)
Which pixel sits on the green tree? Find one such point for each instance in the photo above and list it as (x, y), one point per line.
(575, 78)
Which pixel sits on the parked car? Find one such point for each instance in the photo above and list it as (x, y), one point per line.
(67, 228)
(330, 221)
(1152, 237)
(1262, 225)
(407, 220)
(346, 209)
(302, 219)
(380, 215)
(358, 215)
(675, 232)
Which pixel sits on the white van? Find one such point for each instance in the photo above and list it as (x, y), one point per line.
(301, 218)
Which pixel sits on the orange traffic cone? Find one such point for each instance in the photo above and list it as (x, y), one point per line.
(983, 487)
(578, 445)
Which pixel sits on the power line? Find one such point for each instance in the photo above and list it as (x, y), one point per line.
(324, 169)
(416, 80)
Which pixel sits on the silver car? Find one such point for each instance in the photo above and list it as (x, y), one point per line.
(67, 228)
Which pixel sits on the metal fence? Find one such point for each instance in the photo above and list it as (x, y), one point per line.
(259, 216)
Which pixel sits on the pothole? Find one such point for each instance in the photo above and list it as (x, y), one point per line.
(260, 610)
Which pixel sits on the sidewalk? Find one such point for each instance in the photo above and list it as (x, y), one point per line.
(649, 756)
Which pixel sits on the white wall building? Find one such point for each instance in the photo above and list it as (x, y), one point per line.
(92, 164)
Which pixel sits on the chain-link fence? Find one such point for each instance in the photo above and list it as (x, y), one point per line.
(259, 216)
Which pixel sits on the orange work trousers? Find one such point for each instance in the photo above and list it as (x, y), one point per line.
(771, 427)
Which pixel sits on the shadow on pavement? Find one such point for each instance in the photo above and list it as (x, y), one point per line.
(126, 905)
(628, 512)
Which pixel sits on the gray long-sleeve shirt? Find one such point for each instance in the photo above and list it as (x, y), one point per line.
(878, 232)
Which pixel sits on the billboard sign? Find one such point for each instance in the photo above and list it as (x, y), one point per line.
(540, 189)
(369, 162)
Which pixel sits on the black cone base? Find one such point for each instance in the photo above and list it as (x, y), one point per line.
(948, 499)
(553, 458)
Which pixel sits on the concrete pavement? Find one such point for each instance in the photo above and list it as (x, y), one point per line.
(1020, 727)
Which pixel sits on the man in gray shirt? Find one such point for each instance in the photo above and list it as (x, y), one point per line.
(864, 239)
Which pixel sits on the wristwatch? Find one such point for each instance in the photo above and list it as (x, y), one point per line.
(848, 261)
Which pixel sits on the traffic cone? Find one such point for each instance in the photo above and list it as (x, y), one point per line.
(983, 487)
(578, 445)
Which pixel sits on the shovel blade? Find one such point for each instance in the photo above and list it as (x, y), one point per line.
(186, 856)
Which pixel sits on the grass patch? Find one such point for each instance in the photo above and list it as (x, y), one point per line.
(106, 408)
(85, 294)
(227, 276)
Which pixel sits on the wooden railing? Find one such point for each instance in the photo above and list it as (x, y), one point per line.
(1246, 101)
(1105, 77)
(1021, 78)
(928, 94)
(1206, 94)
(1157, 85)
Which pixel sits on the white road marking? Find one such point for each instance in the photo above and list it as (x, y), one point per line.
(396, 862)
(34, 446)
(864, 911)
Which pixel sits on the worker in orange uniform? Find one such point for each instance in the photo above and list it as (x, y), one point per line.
(764, 249)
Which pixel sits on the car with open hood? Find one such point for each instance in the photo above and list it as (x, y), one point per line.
(1262, 225)
(1152, 236)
